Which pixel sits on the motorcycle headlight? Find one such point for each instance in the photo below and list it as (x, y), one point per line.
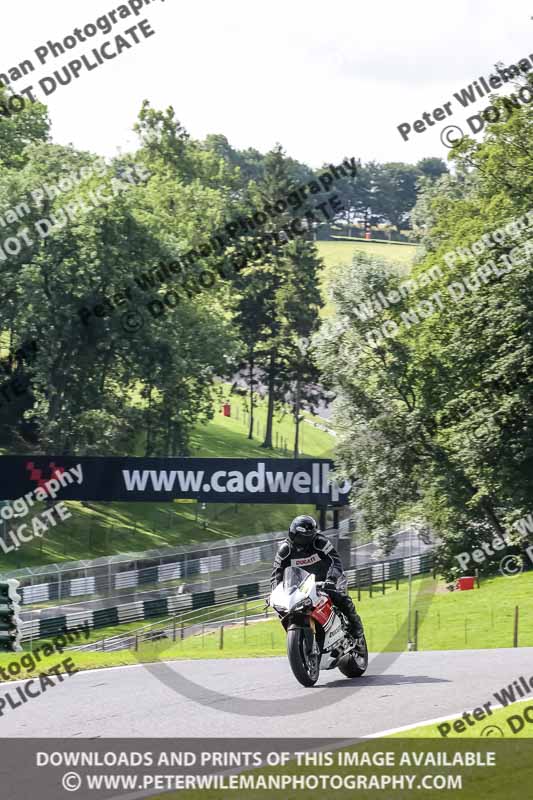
(307, 603)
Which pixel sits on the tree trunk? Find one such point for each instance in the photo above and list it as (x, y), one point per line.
(267, 444)
(251, 380)
(149, 442)
(168, 438)
(297, 418)
(490, 514)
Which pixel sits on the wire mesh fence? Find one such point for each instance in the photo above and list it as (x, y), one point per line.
(194, 568)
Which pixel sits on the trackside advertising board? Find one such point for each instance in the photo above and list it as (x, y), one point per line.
(212, 480)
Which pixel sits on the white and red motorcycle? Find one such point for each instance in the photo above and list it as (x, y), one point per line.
(317, 636)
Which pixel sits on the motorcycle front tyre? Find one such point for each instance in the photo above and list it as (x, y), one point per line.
(305, 669)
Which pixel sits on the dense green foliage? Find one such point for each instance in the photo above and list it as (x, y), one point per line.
(73, 279)
(435, 392)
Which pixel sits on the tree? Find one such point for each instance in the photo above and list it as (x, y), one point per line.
(432, 168)
(394, 192)
(278, 300)
(437, 415)
(21, 129)
(434, 195)
(94, 387)
(300, 302)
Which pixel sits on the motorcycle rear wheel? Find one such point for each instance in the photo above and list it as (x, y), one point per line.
(355, 663)
(304, 665)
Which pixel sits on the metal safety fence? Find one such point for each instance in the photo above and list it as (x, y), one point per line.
(121, 614)
(195, 567)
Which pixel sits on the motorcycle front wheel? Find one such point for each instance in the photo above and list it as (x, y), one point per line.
(304, 664)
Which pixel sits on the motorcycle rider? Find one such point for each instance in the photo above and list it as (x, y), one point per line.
(307, 548)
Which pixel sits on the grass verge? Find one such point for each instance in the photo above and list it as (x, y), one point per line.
(501, 723)
(488, 612)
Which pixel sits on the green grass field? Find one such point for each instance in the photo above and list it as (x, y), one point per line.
(478, 619)
(482, 618)
(341, 252)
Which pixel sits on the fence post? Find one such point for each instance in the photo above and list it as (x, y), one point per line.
(136, 641)
(416, 631)
(477, 579)
(182, 631)
(221, 643)
(397, 582)
(371, 582)
(515, 632)
(245, 610)
(174, 630)
(383, 579)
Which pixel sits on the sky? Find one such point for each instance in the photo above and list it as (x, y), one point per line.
(326, 80)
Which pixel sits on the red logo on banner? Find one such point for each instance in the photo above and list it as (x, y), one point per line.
(36, 474)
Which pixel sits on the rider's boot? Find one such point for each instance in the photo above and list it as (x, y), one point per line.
(355, 626)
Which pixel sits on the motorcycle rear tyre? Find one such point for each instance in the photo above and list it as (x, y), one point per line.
(353, 666)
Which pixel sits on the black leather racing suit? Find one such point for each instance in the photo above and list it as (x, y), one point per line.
(321, 559)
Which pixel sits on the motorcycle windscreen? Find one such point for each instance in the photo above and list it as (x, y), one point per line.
(293, 577)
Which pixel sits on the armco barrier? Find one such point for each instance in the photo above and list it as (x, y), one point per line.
(178, 603)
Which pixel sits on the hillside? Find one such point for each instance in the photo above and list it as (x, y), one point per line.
(341, 251)
(98, 529)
